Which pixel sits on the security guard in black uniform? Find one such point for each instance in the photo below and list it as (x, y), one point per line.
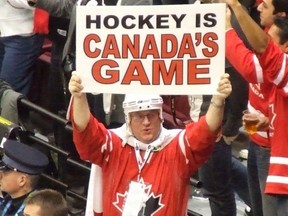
(20, 170)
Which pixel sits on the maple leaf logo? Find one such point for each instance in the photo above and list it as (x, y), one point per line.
(120, 200)
(151, 207)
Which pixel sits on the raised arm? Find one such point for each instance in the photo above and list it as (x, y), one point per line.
(214, 115)
(81, 111)
(254, 34)
(237, 53)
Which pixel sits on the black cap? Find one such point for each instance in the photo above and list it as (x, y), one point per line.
(23, 158)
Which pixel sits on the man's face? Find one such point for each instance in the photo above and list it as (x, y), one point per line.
(274, 33)
(10, 182)
(145, 125)
(32, 210)
(266, 9)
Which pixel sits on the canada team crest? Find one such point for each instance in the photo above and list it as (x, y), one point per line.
(151, 205)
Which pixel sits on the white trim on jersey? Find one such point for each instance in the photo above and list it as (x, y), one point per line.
(258, 69)
(277, 179)
(279, 160)
(182, 144)
(281, 74)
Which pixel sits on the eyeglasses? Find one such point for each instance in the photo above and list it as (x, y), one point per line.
(141, 116)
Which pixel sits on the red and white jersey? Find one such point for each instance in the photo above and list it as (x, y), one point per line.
(166, 172)
(276, 71)
(247, 64)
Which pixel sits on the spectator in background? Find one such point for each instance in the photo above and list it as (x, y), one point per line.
(20, 170)
(269, 9)
(59, 18)
(259, 93)
(56, 86)
(20, 46)
(107, 108)
(45, 202)
(272, 58)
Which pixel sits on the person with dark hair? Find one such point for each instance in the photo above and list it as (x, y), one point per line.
(45, 202)
(269, 9)
(259, 91)
(20, 171)
(268, 70)
(282, 24)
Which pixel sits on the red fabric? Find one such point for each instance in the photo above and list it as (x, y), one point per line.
(166, 173)
(259, 89)
(275, 73)
(41, 21)
(275, 63)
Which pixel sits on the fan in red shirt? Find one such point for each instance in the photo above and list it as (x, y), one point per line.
(145, 168)
(272, 59)
(259, 91)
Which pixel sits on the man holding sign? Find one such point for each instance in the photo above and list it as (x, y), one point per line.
(145, 168)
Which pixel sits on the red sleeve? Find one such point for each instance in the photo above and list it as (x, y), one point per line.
(92, 144)
(200, 142)
(242, 59)
(274, 61)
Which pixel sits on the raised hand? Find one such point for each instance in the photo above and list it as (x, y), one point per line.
(224, 86)
(75, 85)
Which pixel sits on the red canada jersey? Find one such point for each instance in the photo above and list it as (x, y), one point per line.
(274, 60)
(247, 64)
(166, 172)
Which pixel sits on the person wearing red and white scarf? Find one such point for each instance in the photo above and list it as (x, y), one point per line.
(142, 167)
